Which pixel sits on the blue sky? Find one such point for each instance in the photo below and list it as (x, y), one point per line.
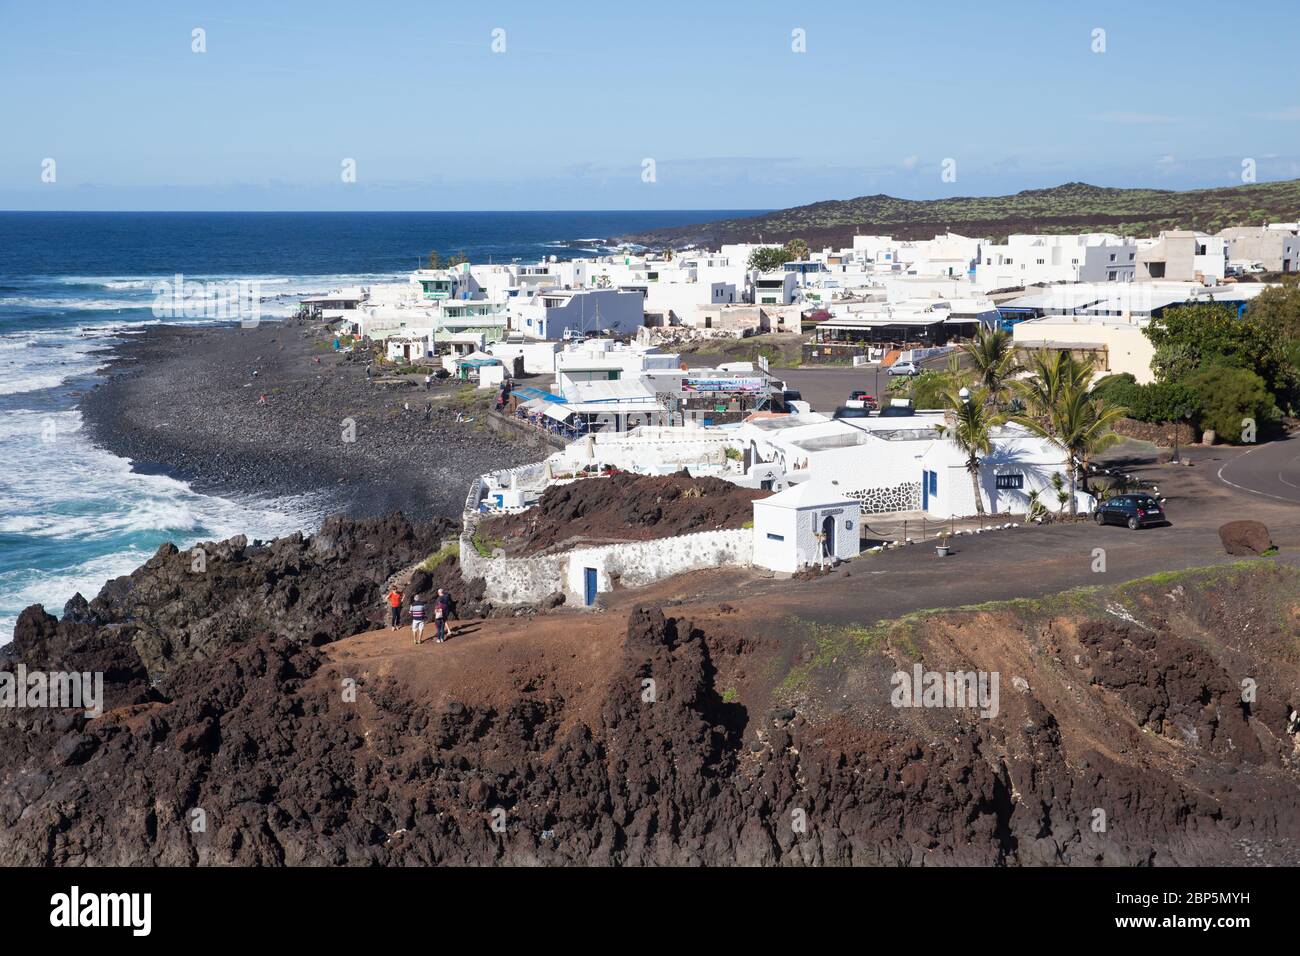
(585, 92)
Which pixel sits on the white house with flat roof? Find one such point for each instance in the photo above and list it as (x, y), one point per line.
(775, 288)
(1032, 259)
(569, 313)
(890, 464)
(599, 360)
(808, 524)
(1182, 254)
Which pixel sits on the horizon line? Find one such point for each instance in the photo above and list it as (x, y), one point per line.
(326, 212)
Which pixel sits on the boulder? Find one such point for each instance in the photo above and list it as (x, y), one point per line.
(1244, 537)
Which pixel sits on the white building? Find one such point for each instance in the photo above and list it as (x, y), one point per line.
(683, 303)
(1034, 259)
(538, 357)
(901, 464)
(775, 288)
(576, 313)
(946, 255)
(808, 524)
(600, 360)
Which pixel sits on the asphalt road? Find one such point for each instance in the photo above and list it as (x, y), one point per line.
(1031, 562)
(828, 388)
(1268, 471)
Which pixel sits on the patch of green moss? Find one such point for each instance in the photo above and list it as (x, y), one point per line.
(485, 546)
(435, 559)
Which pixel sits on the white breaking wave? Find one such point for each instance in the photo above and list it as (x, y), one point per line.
(69, 497)
(74, 304)
(32, 361)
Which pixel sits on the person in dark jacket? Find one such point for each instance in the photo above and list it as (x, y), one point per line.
(443, 611)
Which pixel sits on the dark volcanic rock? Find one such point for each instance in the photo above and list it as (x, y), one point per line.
(1244, 537)
(622, 507)
(195, 604)
(259, 743)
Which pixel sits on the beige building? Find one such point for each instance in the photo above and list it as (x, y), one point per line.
(1117, 344)
(1276, 249)
(1183, 255)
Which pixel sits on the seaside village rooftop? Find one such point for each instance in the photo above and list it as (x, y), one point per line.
(618, 364)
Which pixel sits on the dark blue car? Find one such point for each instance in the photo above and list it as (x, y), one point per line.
(1136, 511)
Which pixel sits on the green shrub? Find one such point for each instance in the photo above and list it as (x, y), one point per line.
(1156, 402)
(1229, 397)
(1104, 386)
(927, 389)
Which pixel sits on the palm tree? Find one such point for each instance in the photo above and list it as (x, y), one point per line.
(1080, 426)
(971, 430)
(1051, 374)
(994, 358)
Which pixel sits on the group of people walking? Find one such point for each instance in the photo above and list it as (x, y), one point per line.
(441, 611)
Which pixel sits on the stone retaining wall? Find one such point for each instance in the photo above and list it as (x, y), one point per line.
(1161, 434)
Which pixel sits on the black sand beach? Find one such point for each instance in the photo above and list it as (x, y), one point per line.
(185, 401)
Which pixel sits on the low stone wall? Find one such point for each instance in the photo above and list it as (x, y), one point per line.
(522, 431)
(633, 564)
(1161, 434)
(639, 563)
(514, 580)
(633, 452)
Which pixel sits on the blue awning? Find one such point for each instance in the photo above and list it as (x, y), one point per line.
(528, 392)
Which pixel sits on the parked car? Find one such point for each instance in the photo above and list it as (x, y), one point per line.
(850, 411)
(863, 396)
(1136, 511)
(903, 368)
(788, 397)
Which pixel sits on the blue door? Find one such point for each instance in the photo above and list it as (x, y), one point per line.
(589, 575)
(929, 487)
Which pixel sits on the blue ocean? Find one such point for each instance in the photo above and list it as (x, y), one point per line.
(73, 284)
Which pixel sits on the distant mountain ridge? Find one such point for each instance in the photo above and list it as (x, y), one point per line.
(1072, 207)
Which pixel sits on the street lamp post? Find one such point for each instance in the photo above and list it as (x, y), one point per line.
(1183, 415)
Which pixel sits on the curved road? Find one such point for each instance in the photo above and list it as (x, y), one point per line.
(1271, 471)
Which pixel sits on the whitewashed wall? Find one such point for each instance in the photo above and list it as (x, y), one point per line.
(634, 454)
(799, 529)
(775, 555)
(635, 564)
(644, 562)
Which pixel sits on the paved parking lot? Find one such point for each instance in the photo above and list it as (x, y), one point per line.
(827, 388)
